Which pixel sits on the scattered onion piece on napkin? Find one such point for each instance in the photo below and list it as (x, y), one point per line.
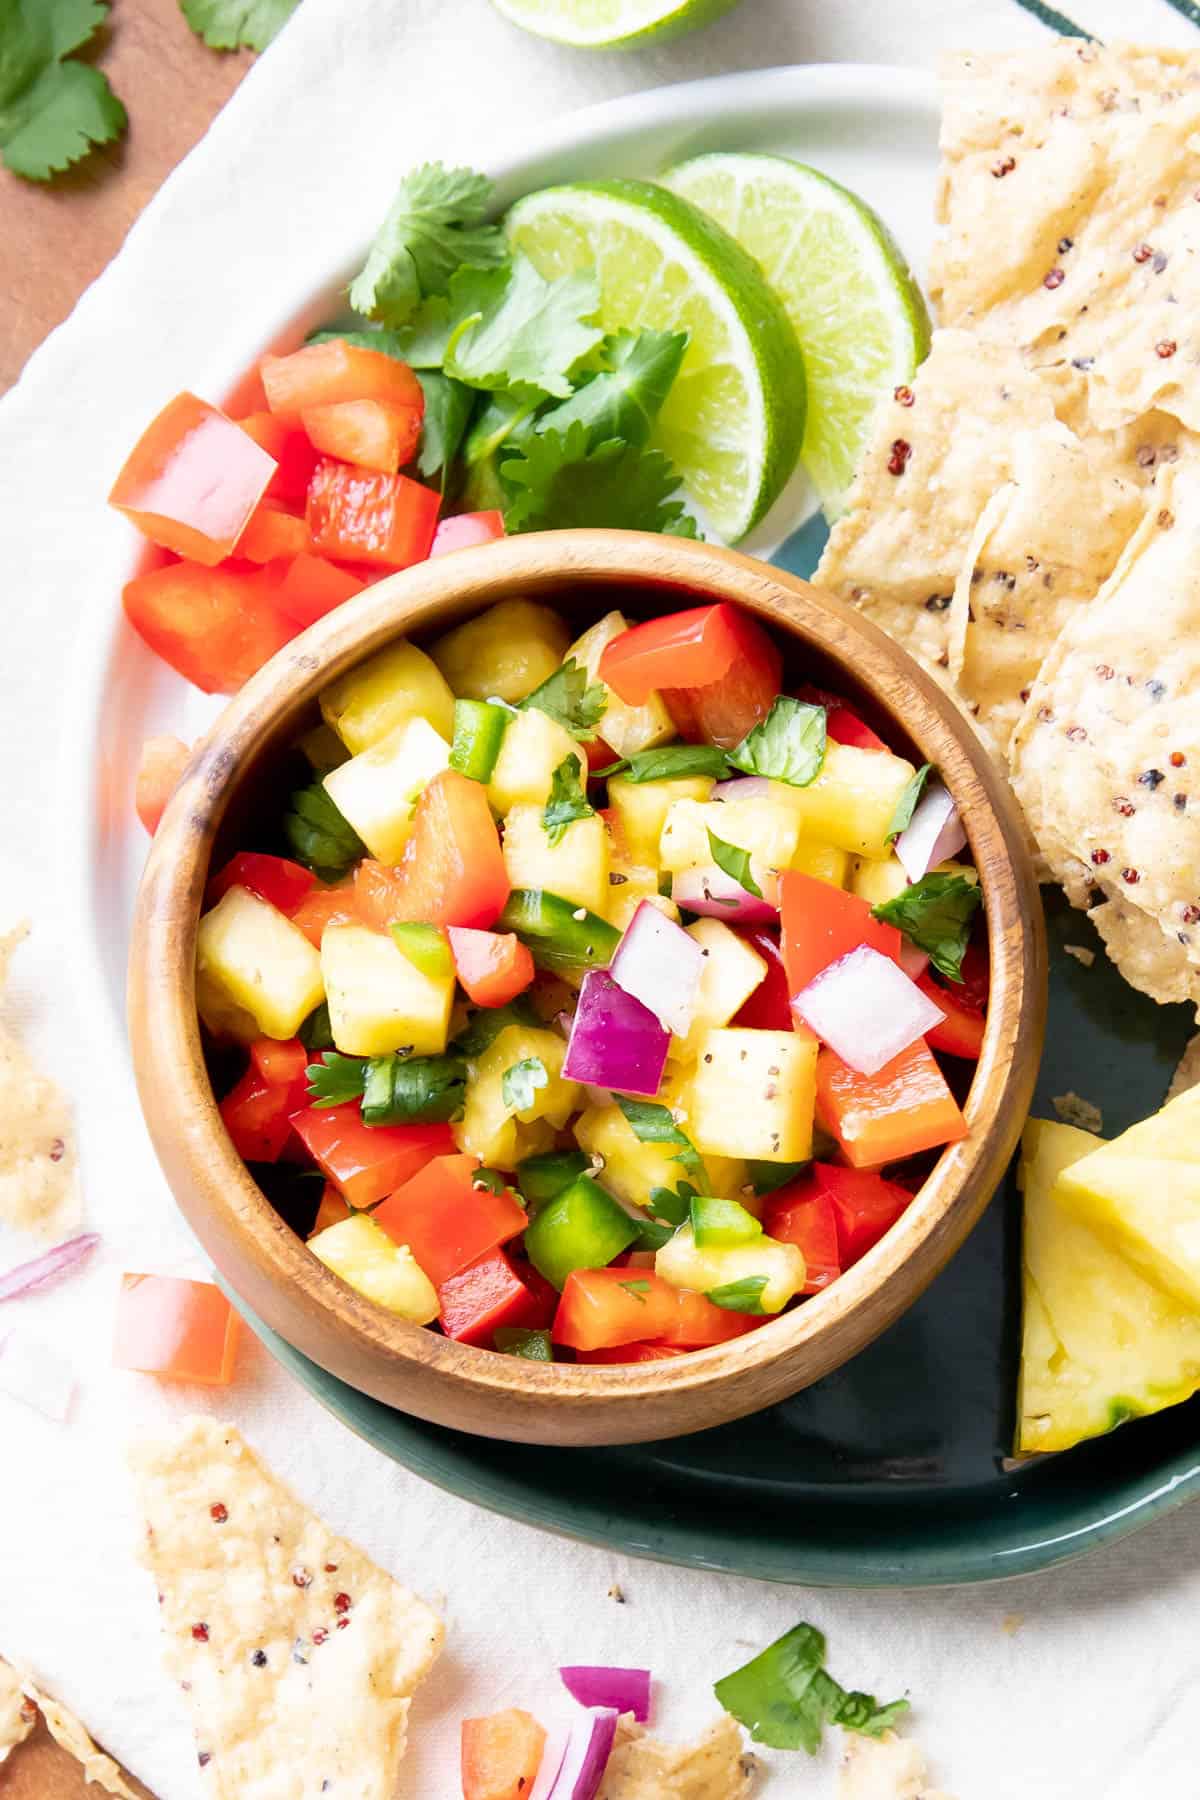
(42, 1270)
(34, 1373)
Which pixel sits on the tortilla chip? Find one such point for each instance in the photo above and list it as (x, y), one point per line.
(297, 1653)
(1107, 754)
(1070, 225)
(883, 1768)
(1187, 1072)
(715, 1767)
(17, 1716)
(39, 1187)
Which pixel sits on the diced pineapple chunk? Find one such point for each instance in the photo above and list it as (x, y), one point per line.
(752, 1094)
(641, 807)
(576, 867)
(633, 1169)
(323, 748)
(852, 802)
(625, 728)
(397, 684)
(728, 976)
(256, 974)
(378, 1000)
(782, 1265)
(506, 651)
(366, 1258)
(629, 883)
(876, 882)
(764, 826)
(489, 1127)
(825, 862)
(377, 790)
(532, 748)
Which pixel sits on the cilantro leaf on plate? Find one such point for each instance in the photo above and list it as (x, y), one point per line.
(906, 805)
(735, 863)
(52, 112)
(789, 744)
(519, 1084)
(625, 396)
(413, 1090)
(670, 762)
(568, 698)
(785, 1697)
(318, 834)
(561, 481)
(568, 800)
(935, 913)
(652, 1123)
(435, 225)
(334, 1078)
(510, 328)
(237, 24)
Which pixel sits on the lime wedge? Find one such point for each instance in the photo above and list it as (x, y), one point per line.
(612, 24)
(734, 419)
(857, 311)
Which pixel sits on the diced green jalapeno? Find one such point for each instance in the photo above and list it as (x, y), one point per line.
(581, 1228)
(426, 949)
(479, 729)
(720, 1224)
(540, 1178)
(535, 1346)
(565, 939)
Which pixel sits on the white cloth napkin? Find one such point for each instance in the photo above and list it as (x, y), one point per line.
(1095, 1692)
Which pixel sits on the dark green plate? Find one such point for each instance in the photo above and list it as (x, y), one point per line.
(891, 1471)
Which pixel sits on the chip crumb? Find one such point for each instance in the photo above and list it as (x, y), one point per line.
(1011, 1623)
(1081, 953)
(39, 1189)
(883, 1768)
(20, 1703)
(1073, 1109)
(617, 1592)
(1187, 1074)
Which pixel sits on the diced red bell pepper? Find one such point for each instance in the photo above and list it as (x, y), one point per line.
(324, 906)
(311, 586)
(802, 1214)
(183, 1330)
(255, 1114)
(842, 723)
(631, 1353)
(604, 1307)
(462, 530)
(281, 883)
(715, 667)
(821, 922)
(281, 1061)
(161, 763)
(360, 515)
(333, 372)
(864, 1206)
(698, 1322)
(192, 480)
(493, 967)
(453, 869)
(961, 1030)
(447, 1219)
(767, 1009)
(295, 458)
(370, 433)
(486, 1296)
(501, 1755)
(600, 755)
(273, 533)
(367, 1161)
(877, 1119)
(214, 626)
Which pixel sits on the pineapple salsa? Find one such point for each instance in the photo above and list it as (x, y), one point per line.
(608, 1000)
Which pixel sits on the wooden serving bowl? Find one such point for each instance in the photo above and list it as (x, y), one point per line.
(238, 771)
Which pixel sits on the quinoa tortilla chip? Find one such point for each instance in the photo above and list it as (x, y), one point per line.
(716, 1766)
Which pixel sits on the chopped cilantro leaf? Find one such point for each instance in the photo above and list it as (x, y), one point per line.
(534, 1345)
(567, 801)
(785, 1697)
(319, 836)
(334, 1078)
(639, 1289)
(519, 1084)
(316, 1032)
(673, 1204)
(567, 697)
(52, 112)
(563, 480)
(740, 1296)
(935, 913)
(506, 327)
(484, 1027)
(767, 1177)
(670, 763)
(652, 1123)
(624, 397)
(434, 226)
(735, 863)
(237, 24)
(414, 1090)
(789, 744)
(906, 805)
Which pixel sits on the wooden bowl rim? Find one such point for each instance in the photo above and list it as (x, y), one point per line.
(181, 1112)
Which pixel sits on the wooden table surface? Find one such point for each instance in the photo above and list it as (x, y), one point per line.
(56, 239)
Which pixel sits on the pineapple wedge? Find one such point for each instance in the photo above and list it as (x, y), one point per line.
(366, 1258)
(489, 1128)
(824, 862)
(576, 867)
(507, 651)
(852, 801)
(728, 976)
(629, 883)
(684, 1265)
(256, 974)
(640, 810)
(633, 1169)
(377, 790)
(1142, 1192)
(624, 728)
(1100, 1343)
(532, 748)
(765, 827)
(877, 882)
(398, 684)
(378, 1000)
(752, 1094)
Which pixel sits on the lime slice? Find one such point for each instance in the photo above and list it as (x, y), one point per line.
(612, 24)
(857, 311)
(734, 419)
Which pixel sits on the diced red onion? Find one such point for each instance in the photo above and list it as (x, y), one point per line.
(34, 1373)
(914, 962)
(628, 1690)
(866, 1008)
(47, 1268)
(615, 1041)
(660, 965)
(715, 895)
(933, 834)
(741, 787)
(558, 1736)
(585, 1757)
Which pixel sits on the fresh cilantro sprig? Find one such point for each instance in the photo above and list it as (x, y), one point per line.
(413, 1090)
(237, 24)
(624, 397)
(735, 863)
(568, 801)
(563, 481)
(53, 111)
(906, 805)
(571, 700)
(785, 1697)
(319, 835)
(789, 744)
(670, 763)
(435, 225)
(935, 913)
(333, 1079)
(507, 327)
(519, 1084)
